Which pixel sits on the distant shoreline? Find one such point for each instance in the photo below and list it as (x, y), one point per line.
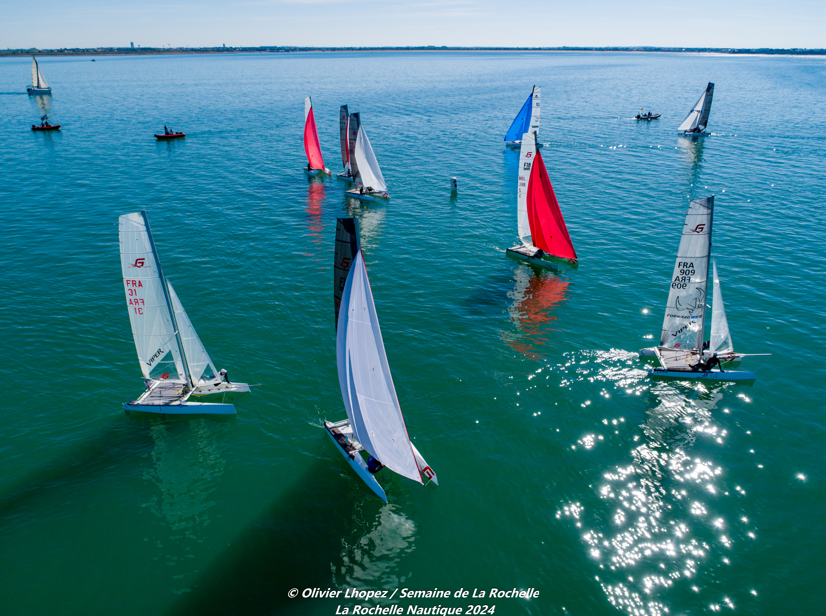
(142, 51)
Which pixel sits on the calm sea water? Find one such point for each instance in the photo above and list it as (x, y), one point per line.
(562, 467)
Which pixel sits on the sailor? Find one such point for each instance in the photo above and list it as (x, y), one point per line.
(165, 130)
(706, 366)
(223, 374)
(706, 344)
(373, 465)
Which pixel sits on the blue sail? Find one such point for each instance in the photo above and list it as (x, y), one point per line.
(521, 123)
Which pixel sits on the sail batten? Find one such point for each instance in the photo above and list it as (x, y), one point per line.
(365, 380)
(153, 324)
(368, 166)
(312, 147)
(684, 321)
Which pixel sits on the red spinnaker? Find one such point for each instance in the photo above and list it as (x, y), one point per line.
(548, 230)
(311, 145)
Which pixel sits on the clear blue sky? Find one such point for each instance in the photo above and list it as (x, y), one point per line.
(197, 23)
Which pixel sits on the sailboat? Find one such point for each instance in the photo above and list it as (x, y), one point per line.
(176, 367)
(366, 170)
(695, 122)
(374, 426)
(348, 132)
(527, 120)
(680, 351)
(312, 147)
(541, 227)
(39, 84)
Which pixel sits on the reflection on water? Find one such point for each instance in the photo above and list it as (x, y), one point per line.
(658, 532)
(44, 104)
(692, 152)
(186, 466)
(316, 196)
(534, 295)
(371, 559)
(371, 220)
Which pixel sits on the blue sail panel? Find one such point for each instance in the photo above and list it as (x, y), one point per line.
(521, 122)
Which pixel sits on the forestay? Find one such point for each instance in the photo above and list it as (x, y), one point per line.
(720, 336)
(365, 380)
(196, 356)
(347, 246)
(685, 311)
(367, 164)
(152, 323)
(527, 120)
(697, 118)
(312, 147)
(343, 124)
(548, 229)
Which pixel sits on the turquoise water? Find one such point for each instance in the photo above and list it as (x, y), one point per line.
(561, 466)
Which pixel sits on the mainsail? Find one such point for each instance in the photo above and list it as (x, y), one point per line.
(539, 218)
(365, 380)
(311, 145)
(720, 335)
(368, 166)
(527, 120)
(352, 137)
(683, 325)
(153, 324)
(347, 246)
(197, 358)
(343, 125)
(697, 118)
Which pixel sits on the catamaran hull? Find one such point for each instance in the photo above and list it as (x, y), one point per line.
(220, 393)
(345, 177)
(685, 134)
(356, 462)
(524, 253)
(316, 173)
(366, 196)
(716, 375)
(185, 408)
(724, 357)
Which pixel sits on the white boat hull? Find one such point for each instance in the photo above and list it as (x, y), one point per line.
(530, 256)
(714, 375)
(316, 173)
(182, 408)
(213, 389)
(353, 457)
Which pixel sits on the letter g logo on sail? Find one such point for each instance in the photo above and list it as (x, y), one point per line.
(699, 228)
(138, 263)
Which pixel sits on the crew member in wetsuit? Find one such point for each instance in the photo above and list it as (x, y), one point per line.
(373, 465)
(706, 366)
(225, 376)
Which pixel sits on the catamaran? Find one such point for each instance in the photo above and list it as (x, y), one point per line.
(540, 224)
(526, 121)
(374, 426)
(680, 352)
(695, 122)
(348, 128)
(366, 170)
(39, 84)
(176, 367)
(312, 147)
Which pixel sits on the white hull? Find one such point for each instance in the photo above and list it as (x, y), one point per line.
(316, 173)
(350, 451)
(355, 194)
(213, 389)
(714, 375)
(181, 408)
(530, 256)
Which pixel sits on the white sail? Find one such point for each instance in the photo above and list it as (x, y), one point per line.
(308, 104)
(698, 116)
(685, 310)
(526, 156)
(537, 94)
(196, 356)
(365, 380)
(34, 73)
(720, 335)
(153, 326)
(368, 166)
(43, 82)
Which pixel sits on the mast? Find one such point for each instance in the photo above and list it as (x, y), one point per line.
(168, 300)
